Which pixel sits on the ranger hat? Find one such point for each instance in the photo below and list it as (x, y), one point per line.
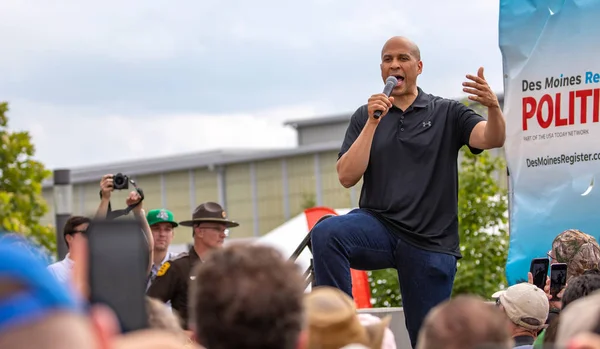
(209, 212)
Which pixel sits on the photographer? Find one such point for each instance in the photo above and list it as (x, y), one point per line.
(134, 200)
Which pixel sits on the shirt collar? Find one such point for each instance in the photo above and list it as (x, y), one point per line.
(523, 340)
(68, 261)
(422, 99)
(194, 256)
(167, 257)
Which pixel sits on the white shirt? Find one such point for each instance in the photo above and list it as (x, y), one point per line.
(62, 270)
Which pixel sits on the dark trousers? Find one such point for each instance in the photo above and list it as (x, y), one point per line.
(360, 241)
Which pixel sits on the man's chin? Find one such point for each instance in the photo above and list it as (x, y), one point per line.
(161, 247)
(399, 89)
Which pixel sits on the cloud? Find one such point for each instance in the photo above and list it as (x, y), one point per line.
(64, 140)
(87, 74)
(184, 55)
(123, 31)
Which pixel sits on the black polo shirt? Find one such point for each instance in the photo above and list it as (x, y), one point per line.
(411, 182)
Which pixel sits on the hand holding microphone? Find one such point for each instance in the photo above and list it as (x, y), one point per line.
(380, 103)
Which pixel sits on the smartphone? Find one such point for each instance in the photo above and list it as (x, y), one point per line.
(117, 269)
(558, 278)
(539, 270)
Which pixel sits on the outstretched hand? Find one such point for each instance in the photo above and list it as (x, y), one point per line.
(480, 91)
(133, 198)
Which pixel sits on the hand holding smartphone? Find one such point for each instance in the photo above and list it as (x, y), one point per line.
(558, 279)
(539, 270)
(118, 262)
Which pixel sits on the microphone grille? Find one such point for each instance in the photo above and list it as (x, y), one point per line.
(391, 80)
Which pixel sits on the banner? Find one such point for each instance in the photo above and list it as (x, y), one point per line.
(551, 60)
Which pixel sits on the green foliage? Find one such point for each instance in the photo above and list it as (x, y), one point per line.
(477, 107)
(21, 203)
(385, 291)
(482, 205)
(309, 200)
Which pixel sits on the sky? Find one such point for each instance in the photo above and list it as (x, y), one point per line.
(99, 82)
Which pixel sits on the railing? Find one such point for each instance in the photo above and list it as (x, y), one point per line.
(309, 273)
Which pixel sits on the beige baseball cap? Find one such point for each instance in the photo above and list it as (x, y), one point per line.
(333, 323)
(526, 305)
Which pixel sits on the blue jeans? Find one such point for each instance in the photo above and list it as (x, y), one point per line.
(360, 241)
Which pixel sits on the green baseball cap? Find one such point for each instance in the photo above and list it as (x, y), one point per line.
(160, 216)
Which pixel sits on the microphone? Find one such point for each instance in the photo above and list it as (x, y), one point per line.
(390, 83)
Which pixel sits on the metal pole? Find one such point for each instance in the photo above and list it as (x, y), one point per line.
(63, 207)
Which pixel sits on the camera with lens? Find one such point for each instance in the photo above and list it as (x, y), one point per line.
(120, 182)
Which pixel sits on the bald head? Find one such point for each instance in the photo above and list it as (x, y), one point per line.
(465, 322)
(402, 41)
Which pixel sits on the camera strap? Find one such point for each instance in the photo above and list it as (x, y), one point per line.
(110, 214)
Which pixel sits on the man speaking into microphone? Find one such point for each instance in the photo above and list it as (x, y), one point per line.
(407, 156)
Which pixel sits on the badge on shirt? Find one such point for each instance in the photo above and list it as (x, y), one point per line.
(163, 269)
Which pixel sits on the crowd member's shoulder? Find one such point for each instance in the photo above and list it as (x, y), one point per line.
(361, 115)
(175, 255)
(443, 101)
(172, 263)
(183, 256)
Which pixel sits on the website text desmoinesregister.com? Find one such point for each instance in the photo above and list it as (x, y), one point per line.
(562, 159)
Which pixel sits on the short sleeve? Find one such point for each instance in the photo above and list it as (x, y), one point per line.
(466, 119)
(357, 123)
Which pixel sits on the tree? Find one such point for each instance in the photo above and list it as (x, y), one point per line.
(482, 206)
(385, 291)
(21, 203)
(309, 200)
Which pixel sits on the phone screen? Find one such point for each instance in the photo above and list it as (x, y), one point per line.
(558, 278)
(118, 263)
(539, 270)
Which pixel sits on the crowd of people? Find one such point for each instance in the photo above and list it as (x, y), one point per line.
(404, 145)
(251, 296)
